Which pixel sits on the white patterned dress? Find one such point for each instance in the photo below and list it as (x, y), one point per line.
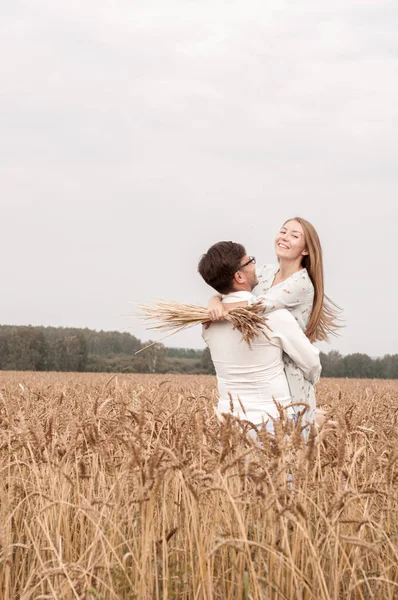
(296, 294)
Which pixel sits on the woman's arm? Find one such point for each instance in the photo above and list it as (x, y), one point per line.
(216, 310)
(287, 333)
(295, 291)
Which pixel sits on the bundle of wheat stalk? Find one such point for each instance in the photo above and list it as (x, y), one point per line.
(174, 317)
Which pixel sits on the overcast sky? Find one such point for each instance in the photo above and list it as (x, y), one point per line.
(136, 134)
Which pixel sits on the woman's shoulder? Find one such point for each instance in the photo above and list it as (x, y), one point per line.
(304, 278)
(300, 283)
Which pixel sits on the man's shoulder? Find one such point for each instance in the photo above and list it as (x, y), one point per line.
(217, 330)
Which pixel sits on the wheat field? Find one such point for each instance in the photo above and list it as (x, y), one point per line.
(125, 487)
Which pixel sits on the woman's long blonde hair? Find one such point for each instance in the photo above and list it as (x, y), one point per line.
(324, 319)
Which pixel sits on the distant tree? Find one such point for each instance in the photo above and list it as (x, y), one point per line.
(152, 359)
(26, 350)
(4, 348)
(183, 353)
(387, 367)
(107, 343)
(332, 364)
(69, 353)
(358, 366)
(207, 363)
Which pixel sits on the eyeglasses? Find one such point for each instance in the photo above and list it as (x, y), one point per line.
(252, 259)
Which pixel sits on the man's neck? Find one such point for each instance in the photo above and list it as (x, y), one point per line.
(241, 287)
(237, 298)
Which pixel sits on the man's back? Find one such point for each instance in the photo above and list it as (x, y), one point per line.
(256, 375)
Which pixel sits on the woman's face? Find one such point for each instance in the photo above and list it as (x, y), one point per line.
(290, 241)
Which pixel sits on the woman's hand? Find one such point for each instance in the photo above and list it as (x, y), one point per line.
(216, 309)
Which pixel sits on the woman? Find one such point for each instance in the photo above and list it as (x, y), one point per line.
(295, 283)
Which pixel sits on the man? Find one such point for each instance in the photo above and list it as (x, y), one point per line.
(255, 376)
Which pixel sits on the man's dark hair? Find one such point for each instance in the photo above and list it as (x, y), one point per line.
(219, 265)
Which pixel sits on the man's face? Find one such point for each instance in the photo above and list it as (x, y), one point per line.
(246, 274)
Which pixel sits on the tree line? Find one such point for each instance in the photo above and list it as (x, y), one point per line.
(359, 366)
(70, 349)
(28, 348)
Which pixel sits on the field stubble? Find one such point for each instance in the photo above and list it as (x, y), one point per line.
(125, 487)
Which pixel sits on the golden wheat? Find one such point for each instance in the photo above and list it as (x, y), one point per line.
(125, 487)
(166, 315)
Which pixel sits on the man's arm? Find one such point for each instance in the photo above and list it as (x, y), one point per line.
(288, 335)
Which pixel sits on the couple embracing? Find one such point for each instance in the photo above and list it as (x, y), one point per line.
(283, 366)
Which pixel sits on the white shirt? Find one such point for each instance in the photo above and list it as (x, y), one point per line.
(256, 375)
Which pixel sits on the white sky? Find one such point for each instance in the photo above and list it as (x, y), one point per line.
(136, 134)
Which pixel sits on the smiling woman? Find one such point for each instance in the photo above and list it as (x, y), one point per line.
(298, 248)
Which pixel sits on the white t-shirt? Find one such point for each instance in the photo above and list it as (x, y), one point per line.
(256, 375)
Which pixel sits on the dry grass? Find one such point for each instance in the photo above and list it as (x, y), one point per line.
(166, 315)
(123, 488)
